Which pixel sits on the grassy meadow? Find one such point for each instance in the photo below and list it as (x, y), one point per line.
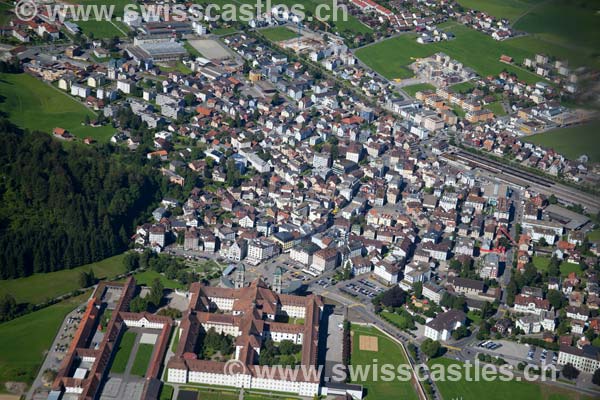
(38, 288)
(25, 340)
(572, 141)
(35, 105)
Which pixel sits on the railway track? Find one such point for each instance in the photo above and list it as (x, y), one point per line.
(567, 195)
(498, 167)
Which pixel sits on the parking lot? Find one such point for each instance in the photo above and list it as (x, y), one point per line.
(58, 349)
(363, 288)
(517, 352)
(326, 282)
(67, 331)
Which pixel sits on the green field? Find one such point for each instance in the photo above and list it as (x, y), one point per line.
(142, 359)
(223, 31)
(54, 284)
(388, 353)
(463, 87)
(279, 34)
(594, 235)
(351, 24)
(509, 9)
(102, 29)
(574, 25)
(497, 389)
(5, 15)
(32, 104)
(474, 318)
(573, 141)
(532, 44)
(400, 321)
(179, 67)
(175, 342)
(564, 29)
(496, 107)
(412, 90)
(459, 111)
(146, 278)
(24, 340)
(212, 394)
(123, 352)
(541, 263)
(226, 393)
(268, 396)
(475, 49)
(166, 393)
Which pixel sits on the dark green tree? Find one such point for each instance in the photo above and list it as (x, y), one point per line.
(431, 348)
(596, 377)
(569, 371)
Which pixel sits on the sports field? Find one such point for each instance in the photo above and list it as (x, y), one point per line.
(24, 341)
(388, 352)
(101, 28)
(278, 34)
(497, 389)
(572, 141)
(368, 343)
(38, 288)
(33, 104)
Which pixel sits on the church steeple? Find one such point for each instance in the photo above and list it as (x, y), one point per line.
(240, 276)
(277, 276)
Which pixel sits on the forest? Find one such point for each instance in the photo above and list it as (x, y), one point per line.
(65, 205)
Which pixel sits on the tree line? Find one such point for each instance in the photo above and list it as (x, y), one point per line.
(62, 206)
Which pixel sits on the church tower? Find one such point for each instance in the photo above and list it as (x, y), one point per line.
(240, 276)
(277, 280)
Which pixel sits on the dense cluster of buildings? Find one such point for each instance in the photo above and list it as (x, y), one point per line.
(337, 178)
(250, 315)
(497, 28)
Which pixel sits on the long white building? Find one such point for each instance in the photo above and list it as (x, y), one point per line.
(249, 315)
(586, 359)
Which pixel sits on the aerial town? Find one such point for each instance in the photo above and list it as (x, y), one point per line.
(197, 208)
